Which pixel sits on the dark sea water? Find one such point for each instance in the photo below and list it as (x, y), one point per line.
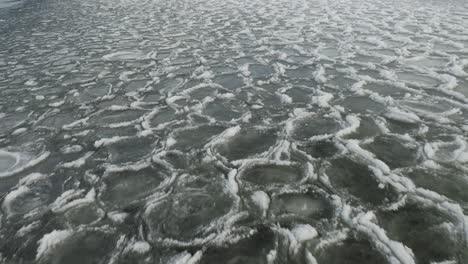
(234, 131)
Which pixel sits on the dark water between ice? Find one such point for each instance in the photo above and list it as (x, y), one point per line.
(234, 131)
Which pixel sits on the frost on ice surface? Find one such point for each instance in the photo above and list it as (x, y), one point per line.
(204, 131)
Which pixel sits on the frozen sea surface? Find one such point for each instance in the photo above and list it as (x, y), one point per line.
(234, 131)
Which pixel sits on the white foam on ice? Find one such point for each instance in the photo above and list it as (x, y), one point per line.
(262, 200)
(51, 241)
(78, 162)
(72, 198)
(304, 232)
(140, 247)
(395, 251)
(186, 258)
(403, 116)
(26, 162)
(354, 123)
(124, 55)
